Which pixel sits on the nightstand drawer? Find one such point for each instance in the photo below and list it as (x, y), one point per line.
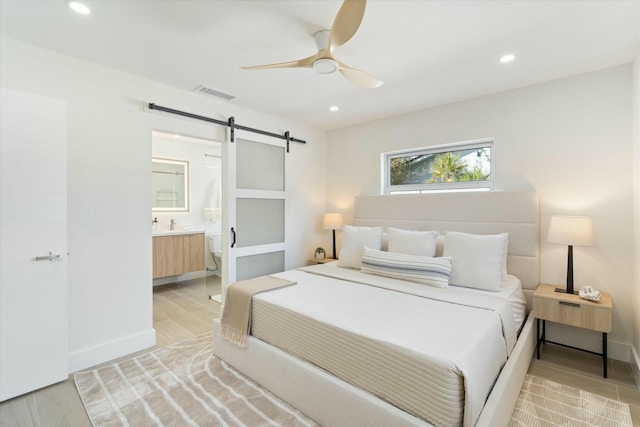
(583, 314)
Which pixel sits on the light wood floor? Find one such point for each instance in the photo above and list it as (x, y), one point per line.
(183, 310)
(180, 311)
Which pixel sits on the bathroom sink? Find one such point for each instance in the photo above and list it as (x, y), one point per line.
(178, 230)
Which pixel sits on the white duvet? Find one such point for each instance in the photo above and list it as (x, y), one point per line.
(468, 333)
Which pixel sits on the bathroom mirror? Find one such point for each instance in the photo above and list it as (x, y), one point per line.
(169, 185)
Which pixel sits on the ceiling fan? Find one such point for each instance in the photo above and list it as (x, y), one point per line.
(344, 27)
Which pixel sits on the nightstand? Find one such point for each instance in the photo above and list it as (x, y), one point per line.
(572, 310)
(321, 261)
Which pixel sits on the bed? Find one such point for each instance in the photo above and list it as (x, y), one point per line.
(348, 347)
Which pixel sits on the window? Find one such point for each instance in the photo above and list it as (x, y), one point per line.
(465, 166)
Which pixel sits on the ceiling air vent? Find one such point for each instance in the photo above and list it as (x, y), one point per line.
(213, 92)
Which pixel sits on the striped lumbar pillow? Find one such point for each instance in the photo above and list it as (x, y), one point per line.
(414, 268)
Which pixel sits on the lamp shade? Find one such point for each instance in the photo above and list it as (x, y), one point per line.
(332, 221)
(570, 230)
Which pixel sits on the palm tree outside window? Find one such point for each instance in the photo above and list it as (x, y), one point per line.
(463, 166)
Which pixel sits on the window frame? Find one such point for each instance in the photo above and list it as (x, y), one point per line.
(487, 185)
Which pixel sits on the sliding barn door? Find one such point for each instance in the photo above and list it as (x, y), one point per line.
(254, 223)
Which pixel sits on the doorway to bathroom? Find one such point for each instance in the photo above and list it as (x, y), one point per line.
(187, 213)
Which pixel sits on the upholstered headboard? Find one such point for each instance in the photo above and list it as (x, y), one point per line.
(490, 212)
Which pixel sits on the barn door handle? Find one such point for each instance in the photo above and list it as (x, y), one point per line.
(233, 233)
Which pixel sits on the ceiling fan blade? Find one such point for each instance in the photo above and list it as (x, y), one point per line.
(347, 22)
(300, 63)
(359, 77)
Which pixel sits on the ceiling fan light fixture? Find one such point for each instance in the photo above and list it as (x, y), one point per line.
(344, 27)
(324, 66)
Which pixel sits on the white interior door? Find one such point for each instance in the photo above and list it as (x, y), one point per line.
(254, 220)
(33, 243)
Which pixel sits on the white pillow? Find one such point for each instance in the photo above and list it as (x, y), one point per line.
(354, 239)
(477, 260)
(421, 269)
(412, 242)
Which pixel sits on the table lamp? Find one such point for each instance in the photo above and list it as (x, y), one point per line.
(571, 231)
(332, 221)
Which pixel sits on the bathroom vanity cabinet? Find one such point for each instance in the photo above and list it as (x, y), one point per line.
(175, 254)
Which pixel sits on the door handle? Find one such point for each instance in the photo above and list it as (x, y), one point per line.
(233, 233)
(51, 257)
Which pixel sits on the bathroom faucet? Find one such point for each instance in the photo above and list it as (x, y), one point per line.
(172, 225)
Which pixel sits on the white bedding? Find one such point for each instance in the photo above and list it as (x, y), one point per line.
(449, 336)
(511, 289)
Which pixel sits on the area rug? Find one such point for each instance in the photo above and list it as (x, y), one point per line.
(180, 385)
(186, 385)
(546, 403)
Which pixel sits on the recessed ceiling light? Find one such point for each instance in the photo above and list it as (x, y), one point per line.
(507, 58)
(79, 8)
(333, 108)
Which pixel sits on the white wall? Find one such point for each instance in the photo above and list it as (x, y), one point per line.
(636, 215)
(109, 197)
(569, 139)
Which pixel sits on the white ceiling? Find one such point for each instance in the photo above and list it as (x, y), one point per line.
(427, 52)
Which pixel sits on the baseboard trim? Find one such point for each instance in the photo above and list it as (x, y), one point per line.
(619, 351)
(92, 356)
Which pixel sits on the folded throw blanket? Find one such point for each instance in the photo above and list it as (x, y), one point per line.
(236, 313)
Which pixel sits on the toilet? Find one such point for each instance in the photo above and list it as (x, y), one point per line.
(215, 247)
(215, 243)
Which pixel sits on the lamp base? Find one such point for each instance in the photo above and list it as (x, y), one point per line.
(564, 291)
